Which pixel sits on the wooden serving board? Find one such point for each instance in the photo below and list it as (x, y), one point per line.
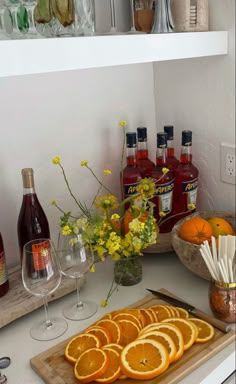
(17, 302)
(52, 367)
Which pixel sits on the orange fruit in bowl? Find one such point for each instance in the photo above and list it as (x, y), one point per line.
(220, 226)
(196, 230)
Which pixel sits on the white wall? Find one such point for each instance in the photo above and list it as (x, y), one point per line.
(199, 94)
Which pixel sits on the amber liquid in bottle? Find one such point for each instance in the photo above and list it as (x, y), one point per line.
(171, 161)
(143, 161)
(32, 221)
(186, 181)
(131, 174)
(164, 185)
(4, 282)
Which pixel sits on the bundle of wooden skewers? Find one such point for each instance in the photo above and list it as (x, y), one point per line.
(220, 260)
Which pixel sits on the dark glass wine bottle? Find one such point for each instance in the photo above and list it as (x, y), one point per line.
(4, 282)
(164, 185)
(171, 160)
(186, 181)
(143, 160)
(131, 174)
(32, 221)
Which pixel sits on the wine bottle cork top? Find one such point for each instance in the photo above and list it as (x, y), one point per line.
(28, 177)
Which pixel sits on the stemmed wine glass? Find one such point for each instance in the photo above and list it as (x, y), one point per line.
(75, 261)
(41, 276)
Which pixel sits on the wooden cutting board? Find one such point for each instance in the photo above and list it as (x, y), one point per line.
(54, 369)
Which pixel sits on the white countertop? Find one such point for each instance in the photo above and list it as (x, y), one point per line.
(159, 271)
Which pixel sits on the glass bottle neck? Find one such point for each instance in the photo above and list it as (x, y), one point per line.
(131, 156)
(170, 148)
(142, 152)
(161, 155)
(186, 155)
(29, 191)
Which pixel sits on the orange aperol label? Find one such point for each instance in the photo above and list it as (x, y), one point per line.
(41, 255)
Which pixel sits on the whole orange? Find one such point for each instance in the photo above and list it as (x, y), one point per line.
(196, 230)
(220, 226)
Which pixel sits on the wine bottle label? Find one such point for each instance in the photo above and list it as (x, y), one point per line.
(3, 269)
(189, 188)
(164, 193)
(130, 189)
(41, 256)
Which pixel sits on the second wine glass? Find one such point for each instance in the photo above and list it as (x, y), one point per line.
(75, 261)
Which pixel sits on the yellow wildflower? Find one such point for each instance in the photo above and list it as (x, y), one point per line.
(84, 163)
(103, 303)
(122, 123)
(66, 230)
(106, 202)
(107, 172)
(92, 268)
(56, 160)
(162, 214)
(146, 188)
(115, 216)
(191, 206)
(165, 170)
(53, 202)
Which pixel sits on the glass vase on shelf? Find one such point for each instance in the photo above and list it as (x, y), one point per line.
(163, 20)
(128, 271)
(65, 17)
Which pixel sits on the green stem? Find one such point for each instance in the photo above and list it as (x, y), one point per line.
(99, 182)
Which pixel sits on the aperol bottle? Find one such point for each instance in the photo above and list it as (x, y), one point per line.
(171, 160)
(164, 185)
(4, 282)
(186, 181)
(131, 174)
(143, 160)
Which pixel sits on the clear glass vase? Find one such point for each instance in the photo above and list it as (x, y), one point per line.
(65, 18)
(128, 271)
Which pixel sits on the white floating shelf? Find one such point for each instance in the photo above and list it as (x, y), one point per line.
(32, 56)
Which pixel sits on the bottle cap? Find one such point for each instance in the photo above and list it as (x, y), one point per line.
(131, 140)
(28, 177)
(162, 140)
(142, 133)
(169, 129)
(187, 138)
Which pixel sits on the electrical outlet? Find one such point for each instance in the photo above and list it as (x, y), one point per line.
(228, 163)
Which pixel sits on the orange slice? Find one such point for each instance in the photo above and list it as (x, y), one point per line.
(79, 344)
(187, 329)
(175, 334)
(149, 315)
(113, 370)
(101, 332)
(130, 331)
(128, 316)
(205, 330)
(182, 313)
(144, 359)
(117, 347)
(174, 311)
(90, 365)
(163, 312)
(113, 328)
(148, 328)
(164, 339)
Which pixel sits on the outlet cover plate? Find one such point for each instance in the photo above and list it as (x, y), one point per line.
(228, 163)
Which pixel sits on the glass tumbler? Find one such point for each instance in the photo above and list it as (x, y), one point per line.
(222, 300)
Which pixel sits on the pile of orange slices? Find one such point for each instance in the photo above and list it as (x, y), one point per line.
(135, 343)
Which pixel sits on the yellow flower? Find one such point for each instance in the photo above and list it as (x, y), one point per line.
(105, 202)
(191, 206)
(66, 230)
(122, 123)
(115, 216)
(92, 268)
(84, 163)
(165, 170)
(53, 202)
(56, 160)
(103, 303)
(162, 214)
(107, 172)
(146, 188)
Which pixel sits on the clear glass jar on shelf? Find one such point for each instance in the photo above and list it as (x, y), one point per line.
(65, 17)
(6, 25)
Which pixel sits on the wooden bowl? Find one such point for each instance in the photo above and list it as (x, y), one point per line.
(188, 253)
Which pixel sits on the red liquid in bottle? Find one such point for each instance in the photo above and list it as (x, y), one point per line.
(171, 161)
(32, 221)
(4, 282)
(186, 181)
(132, 173)
(143, 161)
(164, 186)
